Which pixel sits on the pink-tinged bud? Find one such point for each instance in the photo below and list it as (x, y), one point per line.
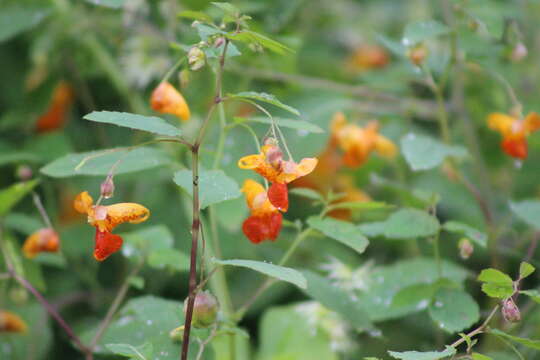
(24, 172)
(107, 187)
(519, 52)
(510, 311)
(466, 248)
(205, 309)
(418, 54)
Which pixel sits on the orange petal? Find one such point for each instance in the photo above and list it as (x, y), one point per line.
(83, 202)
(10, 322)
(306, 166)
(166, 99)
(515, 147)
(106, 244)
(501, 123)
(250, 162)
(385, 147)
(532, 123)
(337, 123)
(126, 212)
(278, 196)
(43, 240)
(57, 113)
(260, 228)
(252, 188)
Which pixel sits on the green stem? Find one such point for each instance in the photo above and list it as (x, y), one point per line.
(437, 255)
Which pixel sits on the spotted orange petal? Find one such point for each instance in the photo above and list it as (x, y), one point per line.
(83, 202)
(126, 212)
(43, 240)
(501, 122)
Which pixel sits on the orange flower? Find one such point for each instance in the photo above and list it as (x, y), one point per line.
(358, 143)
(56, 115)
(10, 322)
(166, 99)
(367, 57)
(514, 132)
(344, 184)
(43, 240)
(270, 164)
(105, 219)
(265, 220)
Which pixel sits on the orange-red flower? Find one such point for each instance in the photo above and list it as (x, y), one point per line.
(10, 322)
(367, 57)
(105, 219)
(265, 220)
(43, 240)
(358, 143)
(166, 99)
(514, 132)
(56, 115)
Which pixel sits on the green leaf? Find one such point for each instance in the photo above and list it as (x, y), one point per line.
(453, 310)
(227, 8)
(137, 282)
(342, 231)
(146, 319)
(403, 224)
(214, 186)
(533, 344)
(424, 153)
(418, 295)
(248, 36)
(206, 31)
(417, 32)
(10, 196)
(8, 157)
(288, 334)
(115, 4)
(525, 269)
(378, 287)
(336, 299)
(145, 241)
(266, 98)
(477, 356)
(361, 205)
(282, 122)
(429, 355)
(496, 283)
(17, 19)
(306, 193)
(533, 294)
(457, 227)
(149, 124)
(99, 163)
(528, 211)
(195, 15)
(168, 258)
(279, 272)
(142, 352)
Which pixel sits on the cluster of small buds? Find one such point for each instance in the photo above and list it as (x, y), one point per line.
(466, 248)
(196, 58)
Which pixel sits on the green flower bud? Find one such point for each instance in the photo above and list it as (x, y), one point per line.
(196, 58)
(205, 309)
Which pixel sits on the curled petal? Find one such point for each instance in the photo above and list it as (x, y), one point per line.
(260, 228)
(106, 244)
(385, 147)
(278, 196)
(250, 162)
(515, 147)
(126, 212)
(10, 322)
(43, 240)
(83, 202)
(306, 166)
(531, 123)
(166, 99)
(501, 122)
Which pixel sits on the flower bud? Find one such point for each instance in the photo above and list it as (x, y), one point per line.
(466, 248)
(177, 334)
(24, 172)
(205, 309)
(196, 58)
(519, 52)
(166, 99)
(417, 54)
(510, 311)
(107, 187)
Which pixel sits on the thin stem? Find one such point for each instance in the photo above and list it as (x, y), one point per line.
(48, 306)
(41, 209)
(479, 329)
(442, 115)
(268, 282)
(173, 68)
(114, 306)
